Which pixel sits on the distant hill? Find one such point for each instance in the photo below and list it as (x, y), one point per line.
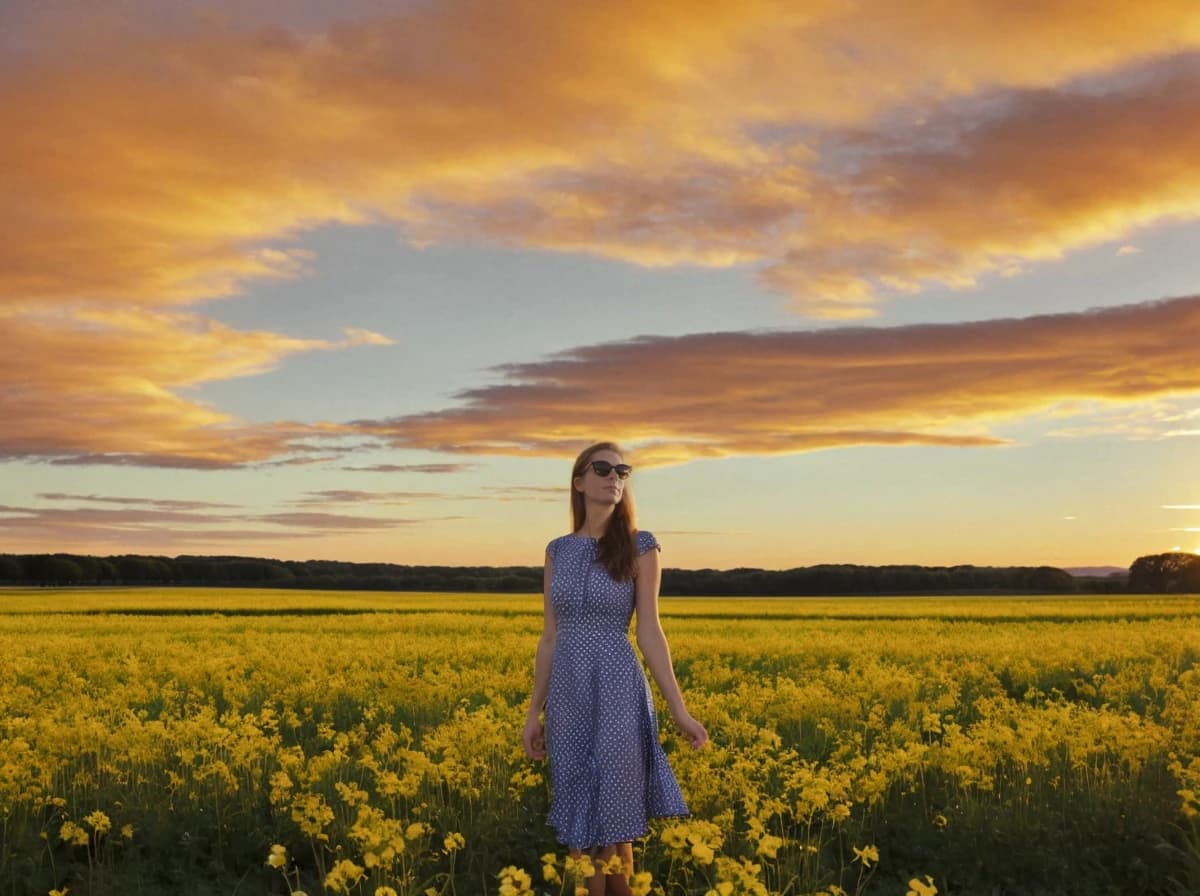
(1096, 571)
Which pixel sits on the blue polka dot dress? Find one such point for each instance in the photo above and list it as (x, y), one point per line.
(608, 772)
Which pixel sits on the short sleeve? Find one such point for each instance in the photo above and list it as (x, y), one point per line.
(550, 548)
(646, 541)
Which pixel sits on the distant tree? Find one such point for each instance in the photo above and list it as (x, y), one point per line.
(51, 569)
(1161, 573)
(1050, 579)
(10, 569)
(137, 570)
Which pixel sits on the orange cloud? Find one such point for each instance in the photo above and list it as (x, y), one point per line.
(153, 164)
(1022, 176)
(165, 166)
(358, 496)
(175, 528)
(103, 386)
(157, 503)
(413, 468)
(720, 394)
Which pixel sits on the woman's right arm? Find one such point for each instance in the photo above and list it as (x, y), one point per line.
(534, 735)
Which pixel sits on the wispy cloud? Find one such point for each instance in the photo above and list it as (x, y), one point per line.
(1154, 418)
(326, 521)
(174, 529)
(356, 496)
(690, 532)
(157, 503)
(109, 386)
(413, 468)
(510, 493)
(721, 394)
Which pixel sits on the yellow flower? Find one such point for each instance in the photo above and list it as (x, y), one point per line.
(278, 857)
(550, 874)
(868, 855)
(415, 830)
(768, 846)
(724, 888)
(582, 866)
(99, 822)
(127, 831)
(940, 821)
(63, 892)
(703, 853)
(514, 881)
(312, 814)
(343, 876)
(614, 865)
(916, 888)
(454, 842)
(73, 834)
(675, 836)
(641, 883)
(384, 891)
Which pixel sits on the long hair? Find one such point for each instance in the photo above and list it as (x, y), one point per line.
(615, 547)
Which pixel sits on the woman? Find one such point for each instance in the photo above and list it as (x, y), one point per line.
(608, 773)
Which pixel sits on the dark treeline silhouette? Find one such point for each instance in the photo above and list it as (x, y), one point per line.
(1157, 573)
(1174, 572)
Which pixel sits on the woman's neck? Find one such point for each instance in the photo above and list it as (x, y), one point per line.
(595, 522)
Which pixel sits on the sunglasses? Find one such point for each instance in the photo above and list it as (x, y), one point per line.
(602, 468)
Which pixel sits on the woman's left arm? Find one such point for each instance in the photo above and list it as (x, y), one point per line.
(653, 644)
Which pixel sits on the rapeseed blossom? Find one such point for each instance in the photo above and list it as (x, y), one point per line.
(344, 876)
(868, 855)
(99, 822)
(514, 881)
(890, 709)
(73, 834)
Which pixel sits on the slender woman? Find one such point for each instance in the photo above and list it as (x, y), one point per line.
(608, 772)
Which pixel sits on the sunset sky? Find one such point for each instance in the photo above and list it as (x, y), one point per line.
(852, 282)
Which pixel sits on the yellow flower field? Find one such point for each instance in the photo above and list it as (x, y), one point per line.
(196, 741)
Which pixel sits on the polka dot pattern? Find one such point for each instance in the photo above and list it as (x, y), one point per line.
(608, 772)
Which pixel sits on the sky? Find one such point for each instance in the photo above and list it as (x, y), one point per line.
(849, 282)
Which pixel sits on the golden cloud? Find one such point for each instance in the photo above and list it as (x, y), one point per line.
(674, 399)
(103, 386)
(169, 165)
(848, 150)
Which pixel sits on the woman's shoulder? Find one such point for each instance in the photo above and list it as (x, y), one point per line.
(645, 540)
(560, 541)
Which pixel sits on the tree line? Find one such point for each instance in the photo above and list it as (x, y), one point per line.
(1158, 573)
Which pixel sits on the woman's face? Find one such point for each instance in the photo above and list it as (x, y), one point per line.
(601, 489)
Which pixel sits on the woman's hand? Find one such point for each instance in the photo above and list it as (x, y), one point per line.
(534, 738)
(692, 730)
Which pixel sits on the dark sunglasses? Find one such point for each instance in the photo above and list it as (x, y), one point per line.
(602, 468)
